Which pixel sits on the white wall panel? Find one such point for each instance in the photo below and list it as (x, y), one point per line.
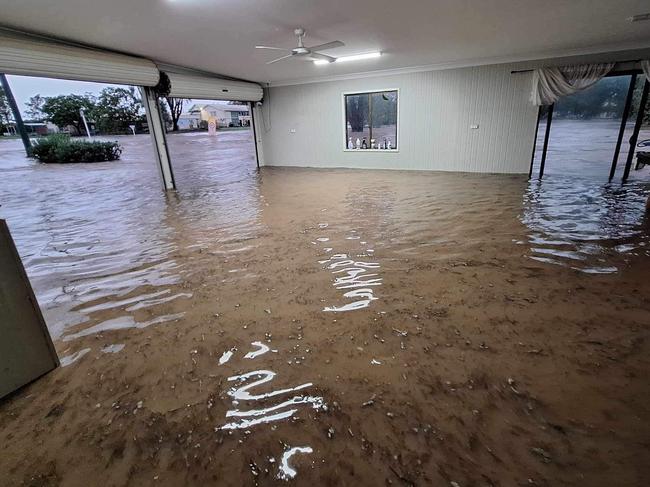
(437, 109)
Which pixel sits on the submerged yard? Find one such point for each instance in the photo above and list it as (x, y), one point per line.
(335, 327)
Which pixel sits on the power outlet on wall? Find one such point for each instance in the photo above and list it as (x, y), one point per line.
(474, 126)
(292, 131)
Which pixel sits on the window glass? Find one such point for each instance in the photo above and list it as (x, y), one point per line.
(371, 120)
(384, 118)
(357, 118)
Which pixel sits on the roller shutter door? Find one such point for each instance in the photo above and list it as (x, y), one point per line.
(205, 87)
(28, 56)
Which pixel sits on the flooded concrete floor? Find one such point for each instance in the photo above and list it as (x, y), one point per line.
(328, 327)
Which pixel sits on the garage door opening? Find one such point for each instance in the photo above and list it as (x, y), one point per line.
(211, 142)
(595, 133)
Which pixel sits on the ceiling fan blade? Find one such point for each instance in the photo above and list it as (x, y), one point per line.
(280, 59)
(327, 45)
(274, 48)
(317, 56)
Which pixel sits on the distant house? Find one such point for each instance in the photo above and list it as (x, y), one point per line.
(189, 121)
(226, 115)
(36, 128)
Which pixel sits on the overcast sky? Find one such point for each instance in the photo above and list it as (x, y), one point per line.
(24, 87)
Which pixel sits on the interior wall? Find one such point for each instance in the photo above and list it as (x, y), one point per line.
(436, 110)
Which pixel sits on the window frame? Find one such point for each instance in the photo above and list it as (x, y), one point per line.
(398, 135)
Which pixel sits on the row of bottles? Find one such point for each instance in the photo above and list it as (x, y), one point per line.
(362, 144)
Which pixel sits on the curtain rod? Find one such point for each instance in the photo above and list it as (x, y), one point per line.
(517, 71)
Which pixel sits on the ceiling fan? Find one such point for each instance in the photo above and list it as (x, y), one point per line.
(305, 53)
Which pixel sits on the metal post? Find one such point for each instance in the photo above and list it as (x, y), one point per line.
(532, 158)
(83, 117)
(637, 127)
(257, 154)
(157, 131)
(549, 119)
(17, 117)
(621, 131)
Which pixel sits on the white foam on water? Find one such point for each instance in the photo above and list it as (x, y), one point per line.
(242, 394)
(286, 472)
(261, 350)
(268, 414)
(247, 423)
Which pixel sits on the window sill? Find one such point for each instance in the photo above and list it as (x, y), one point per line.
(370, 150)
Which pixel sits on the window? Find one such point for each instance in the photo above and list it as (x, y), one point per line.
(371, 120)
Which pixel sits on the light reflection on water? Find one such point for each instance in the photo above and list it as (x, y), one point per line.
(92, 235)
(102, 238)
(581, 223)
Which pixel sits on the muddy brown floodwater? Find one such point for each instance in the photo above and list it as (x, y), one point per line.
(328, 327)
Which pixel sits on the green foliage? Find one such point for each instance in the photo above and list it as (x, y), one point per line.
(35, 107)
(116, 109)
(605, 99)
(64, 110)
(5, 111)
(60, 148)
(381, 106)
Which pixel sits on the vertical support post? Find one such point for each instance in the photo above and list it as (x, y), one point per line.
(251, 107)
(621, 131)
(547, 134)
(256, 120)
(17, 117)
(637, 127)
(157, 131)
(532, 157)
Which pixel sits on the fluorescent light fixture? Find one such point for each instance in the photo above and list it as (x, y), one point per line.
(355, 57)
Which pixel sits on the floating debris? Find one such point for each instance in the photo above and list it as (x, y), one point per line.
(227, 355)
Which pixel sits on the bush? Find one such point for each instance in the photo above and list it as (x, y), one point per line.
(61, 149)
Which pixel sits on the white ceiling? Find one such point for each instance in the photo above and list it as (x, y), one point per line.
(220, 35)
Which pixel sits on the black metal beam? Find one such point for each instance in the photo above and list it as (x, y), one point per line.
(547, 134)
(637, 127)
(621, 130)
(532, 158)
(17, 117)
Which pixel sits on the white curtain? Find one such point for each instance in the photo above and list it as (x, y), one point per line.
(645, 66)
(549, 84)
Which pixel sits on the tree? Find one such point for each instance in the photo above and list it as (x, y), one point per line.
(63, 110)
(175, 108)
(116, 109)
(164, 111)
(6, 116)
(357, 111)
(35, 107)
(606, 98)
(636, 102)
